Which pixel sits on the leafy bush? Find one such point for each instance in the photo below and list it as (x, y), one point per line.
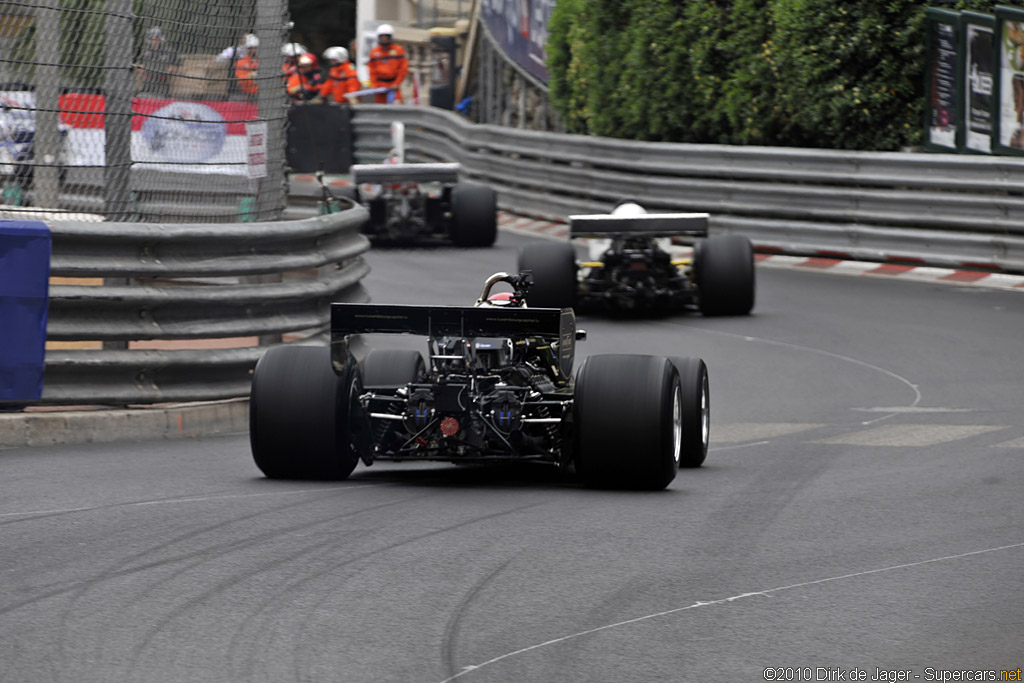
(851, 73)
(845, 74)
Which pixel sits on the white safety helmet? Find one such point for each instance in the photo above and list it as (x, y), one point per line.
(385, 30)
(293, 49)
(628, 207)
(336, 54)
(250, 41)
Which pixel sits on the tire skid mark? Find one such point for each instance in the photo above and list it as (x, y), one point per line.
(78, 589)
(175, 500)
(285, 590)
(721, 601)
(452, 627)
(120, 569)
(217, 551)
(67, 588)
(306, 554)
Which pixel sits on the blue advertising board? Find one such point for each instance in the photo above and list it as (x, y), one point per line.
(24, 305)
(520, 28)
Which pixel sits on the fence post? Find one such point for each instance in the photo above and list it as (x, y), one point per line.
(118, 111)
(46, 142)
(270, 27)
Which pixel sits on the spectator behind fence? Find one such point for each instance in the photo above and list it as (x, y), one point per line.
(305, 84)
(241, 61)
(156, 64)
(342, 78)
(388, 64)
(247, 67)
(291, 53)
(246, 45)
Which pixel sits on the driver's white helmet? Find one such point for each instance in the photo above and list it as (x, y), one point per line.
(385, 30)
(628, 207)
(336, 54)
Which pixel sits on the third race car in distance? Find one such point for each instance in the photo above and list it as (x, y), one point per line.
(631, 268)
(422, 201)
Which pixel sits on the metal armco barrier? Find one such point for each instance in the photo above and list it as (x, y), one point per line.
(933, 209)
(190, 281)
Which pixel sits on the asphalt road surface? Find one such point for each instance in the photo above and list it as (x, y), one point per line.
(861, 509)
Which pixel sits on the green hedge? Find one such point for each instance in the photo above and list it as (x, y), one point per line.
(845, 74)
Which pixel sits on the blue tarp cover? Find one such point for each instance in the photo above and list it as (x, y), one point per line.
(24, 303)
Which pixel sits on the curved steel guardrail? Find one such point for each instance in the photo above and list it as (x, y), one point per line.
(933, 209)
(190, 281)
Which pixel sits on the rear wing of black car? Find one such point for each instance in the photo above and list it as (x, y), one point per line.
(464, 322)
(383, 174)
(645, 225)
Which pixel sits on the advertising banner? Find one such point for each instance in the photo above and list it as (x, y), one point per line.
(942, 108)
(1009, 122)
(978, 50)
(520, 28)
(187, 136)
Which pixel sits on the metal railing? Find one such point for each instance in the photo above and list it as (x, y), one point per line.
(943, 210)
(143, 282)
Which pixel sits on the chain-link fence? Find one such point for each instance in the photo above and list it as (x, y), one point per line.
(143, 110)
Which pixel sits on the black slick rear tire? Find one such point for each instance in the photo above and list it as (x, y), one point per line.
(624, 432)
(724, 273)
(300, 413)
(696, 410)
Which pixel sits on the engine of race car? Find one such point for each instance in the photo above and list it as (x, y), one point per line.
(638, 262)
(635, 272)
(486, 397)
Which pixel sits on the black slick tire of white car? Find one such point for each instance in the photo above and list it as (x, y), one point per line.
(724, 272)
(553, 265)
(392, 368)
(378, 219)
(695, 409)
(474, 215)
(625, 416)
(299, 414)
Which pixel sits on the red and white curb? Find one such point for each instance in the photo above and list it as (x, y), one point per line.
(536, 227)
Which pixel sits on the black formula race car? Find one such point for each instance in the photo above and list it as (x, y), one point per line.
(497, 385)
(631, 265)
(416, 202)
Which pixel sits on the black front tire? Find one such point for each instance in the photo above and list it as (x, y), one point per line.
(392, 368)
(623, 415)
(554, 274)
(724, 273)
(300, 414)
(695, 409)
(474, 215)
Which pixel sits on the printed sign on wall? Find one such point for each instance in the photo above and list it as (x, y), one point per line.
(941, 127)
(1009, 136)
(978, 34)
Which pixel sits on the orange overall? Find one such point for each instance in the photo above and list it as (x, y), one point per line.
(388, 66)
(245, 73)
(341, 80)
